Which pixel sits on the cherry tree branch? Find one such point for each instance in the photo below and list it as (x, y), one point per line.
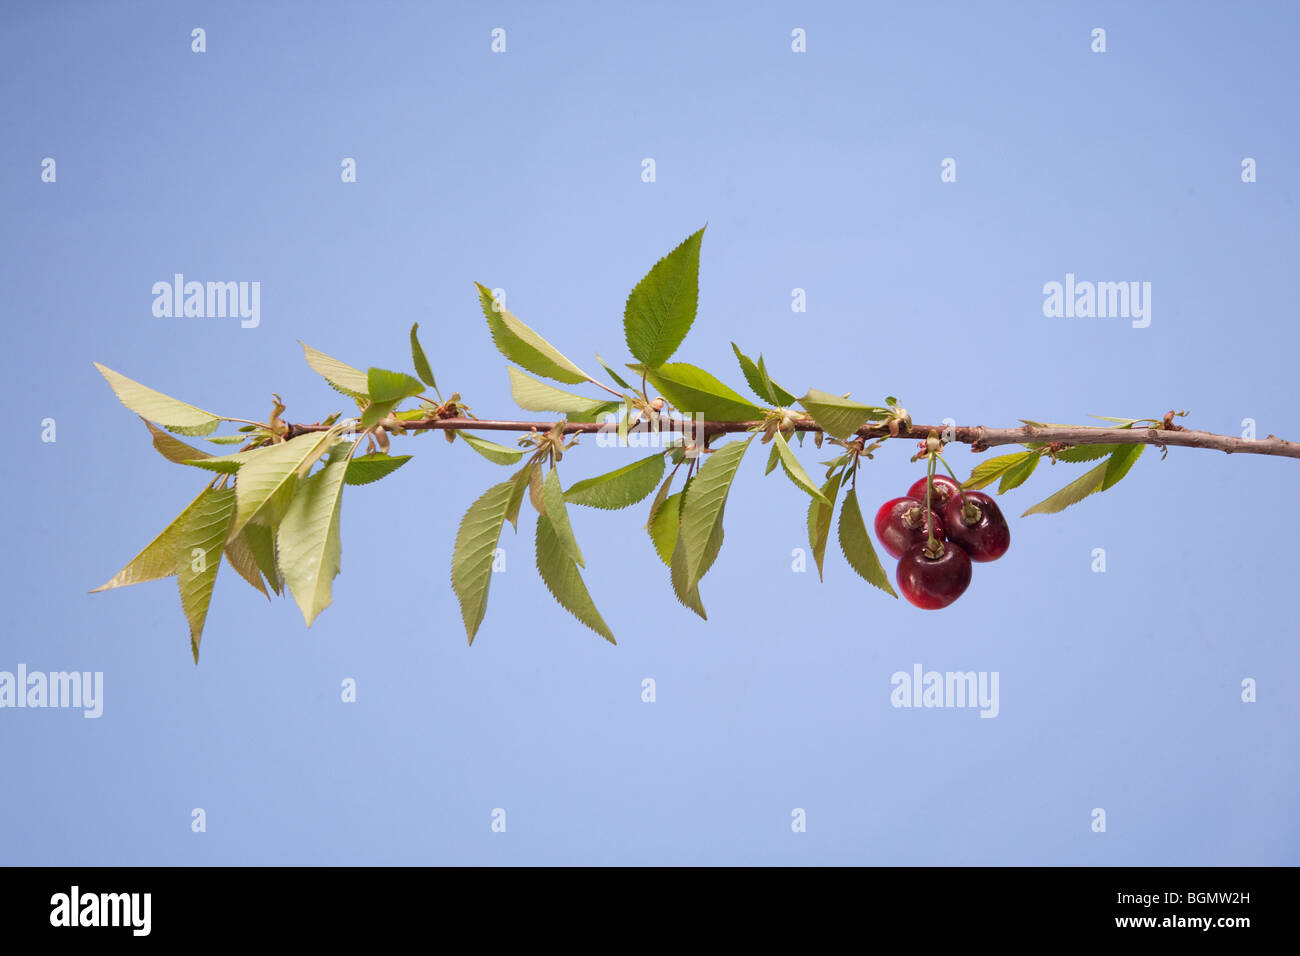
(978, 437)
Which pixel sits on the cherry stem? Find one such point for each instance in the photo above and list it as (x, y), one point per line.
(929, 519)
(960, 490)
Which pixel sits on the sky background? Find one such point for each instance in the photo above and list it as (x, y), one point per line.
(522, 170)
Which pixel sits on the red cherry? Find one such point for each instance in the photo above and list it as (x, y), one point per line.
(932, 583)
(900, 523)
(944, 488)
(977, 525)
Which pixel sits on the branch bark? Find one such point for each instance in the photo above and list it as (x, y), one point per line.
(978, 437)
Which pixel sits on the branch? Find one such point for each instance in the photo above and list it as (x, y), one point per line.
(977, 436)
(297, 549)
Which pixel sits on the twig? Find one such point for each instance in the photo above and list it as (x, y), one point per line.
(977, 436)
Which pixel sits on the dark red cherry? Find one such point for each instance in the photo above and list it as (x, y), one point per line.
(900, 523)
(977, 525)
(944, 488)
(933, 582)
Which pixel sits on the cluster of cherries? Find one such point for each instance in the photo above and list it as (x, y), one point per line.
(936, 544)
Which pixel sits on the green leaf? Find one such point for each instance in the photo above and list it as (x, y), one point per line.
(819, 520)
(553, 496)
(1081, 453)
(991, 469)
(757, 381)
(537, 396)
(662, 306)
(1120, 462)
(476, 542)
(560, 574)
(1122, 422)
(689, 594)
(663, 526)
(173, 449)
(1072, 493)
(261, 541)
(1017, 474)
(523, 346)
(310, 544)
(692, 390)
(619, 488)
(239, 555)
(420, 360)
(702, 509)
(834, 463)
(386, 386)
(341, 376)
(497, 454)
(596, 414)
(171, 414)
(386, 389)
(773, 459)
(269, 475)
(519, 483)
(783, 398)
(618, 379)
(837, 416)
(225, 464)
(857, 547)
(158, 558)
(660, 497)
(535, 496)
(792, 467)
(367, 468)
(227, 440)
(205, 532)
(375, 413)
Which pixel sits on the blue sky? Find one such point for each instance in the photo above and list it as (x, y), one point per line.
(522, 170)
